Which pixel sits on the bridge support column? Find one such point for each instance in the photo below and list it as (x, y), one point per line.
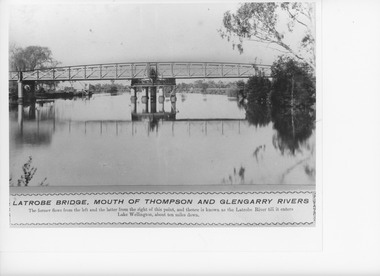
(133, 92)
(173, 100)
(20, 88)
(20, 92)
(150, 88)
(145, 100)
(134, 99)
(153, 99)
(161, 98)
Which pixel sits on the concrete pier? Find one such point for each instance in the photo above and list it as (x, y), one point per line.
(153, 99)
(150, 88)
(134, 99)
(144, 99)
(20, 88)
(173, 100)
(161, 98)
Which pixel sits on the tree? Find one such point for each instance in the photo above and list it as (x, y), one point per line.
(261, 22)
(293, 85)
(258, 90)
(30, 58)
(204, 86)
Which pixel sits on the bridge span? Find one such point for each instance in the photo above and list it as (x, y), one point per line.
(147, 77)
(143, 70)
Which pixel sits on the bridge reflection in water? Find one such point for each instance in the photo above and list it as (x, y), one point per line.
(37, 123)
(107, 140)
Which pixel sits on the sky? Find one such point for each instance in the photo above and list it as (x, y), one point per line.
(106, 32)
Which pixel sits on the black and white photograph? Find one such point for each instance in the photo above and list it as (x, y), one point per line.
(164, 98)
(193, 137)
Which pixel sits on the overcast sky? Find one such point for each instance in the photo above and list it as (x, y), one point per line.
(100, 32)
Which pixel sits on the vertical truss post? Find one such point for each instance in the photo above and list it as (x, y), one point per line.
(147, 70)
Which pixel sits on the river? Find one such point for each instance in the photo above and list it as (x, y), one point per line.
(211, 141)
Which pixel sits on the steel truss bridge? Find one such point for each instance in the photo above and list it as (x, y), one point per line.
(143, 70)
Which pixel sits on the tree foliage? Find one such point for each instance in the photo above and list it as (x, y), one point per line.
(293, 83)
(258, 89)
(30, 58)
(261, 22)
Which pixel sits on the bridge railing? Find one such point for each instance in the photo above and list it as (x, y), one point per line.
(142, 70)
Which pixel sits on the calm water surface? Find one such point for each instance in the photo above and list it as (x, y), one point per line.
(211, 141)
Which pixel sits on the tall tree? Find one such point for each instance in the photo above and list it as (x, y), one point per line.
(262, 22)
(30, 58)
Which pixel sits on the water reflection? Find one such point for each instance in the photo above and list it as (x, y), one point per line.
(258, 115)
(237, 177)
(151, 114)
(188, 142)
(34, 121)
(294, 125)
(293, 128)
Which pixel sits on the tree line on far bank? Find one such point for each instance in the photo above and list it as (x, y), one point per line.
(230, 89)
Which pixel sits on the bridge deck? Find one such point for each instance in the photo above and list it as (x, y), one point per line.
(143, 70)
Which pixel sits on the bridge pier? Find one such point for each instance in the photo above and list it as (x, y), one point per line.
(173, 100)
(144, 99)
(152, 87)
(153, 99)
(134, 99)
(20, 88)
(174, 107)
(133, 93)
(161, 98)
(20, 92)
(23, 87)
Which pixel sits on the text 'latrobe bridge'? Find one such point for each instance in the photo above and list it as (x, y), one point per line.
(142, 70)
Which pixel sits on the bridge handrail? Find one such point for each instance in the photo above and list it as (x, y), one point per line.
(152, 63)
